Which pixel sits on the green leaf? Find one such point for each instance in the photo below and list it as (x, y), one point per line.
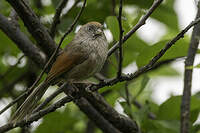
(144, 82)
(164, 70)
(132, 47)
(167, 10)
(60, 122)
(170, 109)
(112, 96)
(196, 66)
(168, 126)
(179, 49)
(6, 45)
(112, 24)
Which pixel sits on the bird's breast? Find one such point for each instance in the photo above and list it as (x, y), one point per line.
(97, 54)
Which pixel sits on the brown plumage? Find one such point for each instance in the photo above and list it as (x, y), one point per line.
(80, 59)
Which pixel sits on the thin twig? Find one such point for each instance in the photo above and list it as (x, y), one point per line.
(151, 63)
(120, 40)
(74, 23)
(49, 61)
(140, 23)
(185, 105)
(137, 26)
(61, 40)
(53, 28)
(56, 18)
(37, 115)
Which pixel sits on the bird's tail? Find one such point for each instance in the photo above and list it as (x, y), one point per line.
(29, 104)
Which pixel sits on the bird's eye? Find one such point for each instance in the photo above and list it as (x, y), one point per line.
(89, 28)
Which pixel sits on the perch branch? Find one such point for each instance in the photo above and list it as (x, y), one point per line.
(95, 116)
(151, 63)
(36, 115)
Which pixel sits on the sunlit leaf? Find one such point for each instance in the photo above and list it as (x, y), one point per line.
(179, 49)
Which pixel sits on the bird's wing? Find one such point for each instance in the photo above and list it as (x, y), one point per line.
(65, 62)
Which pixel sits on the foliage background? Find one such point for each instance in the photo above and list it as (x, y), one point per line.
(137, 52)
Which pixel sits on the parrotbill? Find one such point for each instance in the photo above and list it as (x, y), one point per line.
(80, 59)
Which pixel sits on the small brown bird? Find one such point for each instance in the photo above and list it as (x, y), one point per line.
(81, 58)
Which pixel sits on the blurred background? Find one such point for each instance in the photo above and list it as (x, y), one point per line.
(157, 92)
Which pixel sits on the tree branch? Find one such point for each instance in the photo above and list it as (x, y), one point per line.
(34, 26)
(151, 63)
(36, 116)
(121, 122)
(139, 72)
(90, 127)
(137, 26)
(185, 105)
(49, 61)
(56, 18)
(22, 41)
(14, 18)
(56, 50)
(119, 18)
(95, 116)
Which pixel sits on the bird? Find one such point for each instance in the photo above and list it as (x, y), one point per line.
(84, 56)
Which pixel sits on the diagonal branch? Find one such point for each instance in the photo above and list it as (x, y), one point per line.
(95, 100)
(36, 116)
(22, 41)
(56, 50)
(34, 26)
(151, 63)
(185, 105)
(141, 70)
(56, 18)
(121, 122)
(95, 116)
(137, 26)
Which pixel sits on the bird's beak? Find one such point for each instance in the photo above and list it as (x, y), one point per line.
(99, 31)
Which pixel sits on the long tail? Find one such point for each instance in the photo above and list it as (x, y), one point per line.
(29, 104)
